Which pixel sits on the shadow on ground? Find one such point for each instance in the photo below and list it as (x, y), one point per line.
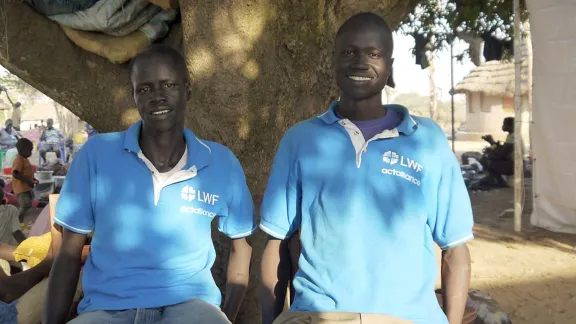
(488, 206)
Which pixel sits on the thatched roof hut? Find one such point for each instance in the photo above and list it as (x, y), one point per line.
(494, 78)
(40, 110)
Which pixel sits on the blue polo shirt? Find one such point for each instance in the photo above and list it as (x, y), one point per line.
(151, 248)
(369, 214)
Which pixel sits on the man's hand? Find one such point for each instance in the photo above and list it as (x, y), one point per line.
(455, 282)
(489, 139)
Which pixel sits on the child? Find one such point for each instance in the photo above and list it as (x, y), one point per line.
(23, 176)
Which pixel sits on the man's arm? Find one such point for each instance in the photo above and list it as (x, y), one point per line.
(456, 271)
(19, 236)
(237, 276)
(13, 287)
(43, 136)
(64, 278)
(275, 278)
(6, 252)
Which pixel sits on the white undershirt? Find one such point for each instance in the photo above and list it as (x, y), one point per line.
(160, 178)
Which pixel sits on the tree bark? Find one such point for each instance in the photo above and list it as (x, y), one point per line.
(257, 67)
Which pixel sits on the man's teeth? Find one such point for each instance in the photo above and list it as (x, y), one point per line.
(161, 112)
(359, 78)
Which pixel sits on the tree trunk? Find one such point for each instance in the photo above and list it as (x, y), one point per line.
(69, 123)
(257, 67)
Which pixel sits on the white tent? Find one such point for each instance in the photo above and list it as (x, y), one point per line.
(553, 30)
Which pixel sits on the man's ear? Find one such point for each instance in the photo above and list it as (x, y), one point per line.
(188, 91)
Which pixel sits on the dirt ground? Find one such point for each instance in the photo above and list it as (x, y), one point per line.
(531, 274)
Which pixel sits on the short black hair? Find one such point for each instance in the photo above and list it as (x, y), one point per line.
(23, 144)
(509, 121)
(364, 20)
(163, 51)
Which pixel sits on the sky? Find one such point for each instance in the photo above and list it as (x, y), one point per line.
(409, 77)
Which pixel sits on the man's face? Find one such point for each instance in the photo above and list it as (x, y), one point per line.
(49, 123)
(160, 92)
(360, 64)
(8, 126)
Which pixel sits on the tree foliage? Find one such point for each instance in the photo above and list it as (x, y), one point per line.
(442, 18)
(16, 87)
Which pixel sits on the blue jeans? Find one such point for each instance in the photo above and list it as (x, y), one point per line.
(194, 311)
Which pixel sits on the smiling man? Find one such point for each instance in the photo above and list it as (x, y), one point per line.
(370, 189)
(149, 195)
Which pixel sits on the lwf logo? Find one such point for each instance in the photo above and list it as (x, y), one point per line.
(392, 158)
(188, 193)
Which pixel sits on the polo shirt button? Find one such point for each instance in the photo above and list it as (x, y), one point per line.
(365, 150)
(343, 123)
(356, 133)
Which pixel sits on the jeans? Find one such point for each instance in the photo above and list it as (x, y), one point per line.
(56, 7)
(194, 311)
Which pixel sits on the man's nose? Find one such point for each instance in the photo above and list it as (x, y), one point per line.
(360, 63)
(157, 95)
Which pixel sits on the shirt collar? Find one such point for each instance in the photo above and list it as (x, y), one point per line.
(199, 153)
(407, 126)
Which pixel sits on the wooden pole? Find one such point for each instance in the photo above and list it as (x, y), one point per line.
(452, 92)
(530, 54)
(518, 159)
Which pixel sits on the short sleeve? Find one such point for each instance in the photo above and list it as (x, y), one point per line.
(74, 207)
(453, 222)
(17, 165)
(279, 212)
(239, 220)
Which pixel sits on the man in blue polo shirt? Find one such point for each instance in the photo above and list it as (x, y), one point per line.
(149, 195)
(370, 189)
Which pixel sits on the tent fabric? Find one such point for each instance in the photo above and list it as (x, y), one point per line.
(554, 112)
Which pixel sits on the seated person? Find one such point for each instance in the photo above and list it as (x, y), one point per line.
(8, 136)
(498, 159)
(157, 267)
(22, 295)
(50, 140)
(10, 228)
